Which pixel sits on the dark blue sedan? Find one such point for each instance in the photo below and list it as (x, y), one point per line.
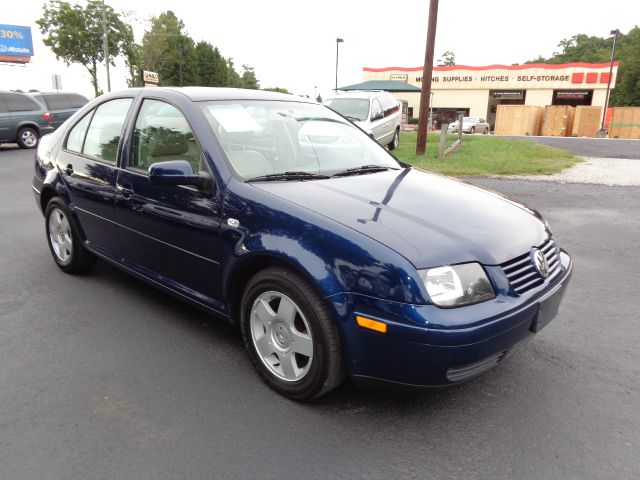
(278, 215)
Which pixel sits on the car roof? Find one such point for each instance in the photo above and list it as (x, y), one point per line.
(201, 94)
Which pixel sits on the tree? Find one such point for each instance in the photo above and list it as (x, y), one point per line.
(75, 34)
(277, 89)
(211, 66)
(448, 59)
(249, 79)
(233, 79)
(585, 48)
(319, 99)
(168, 50)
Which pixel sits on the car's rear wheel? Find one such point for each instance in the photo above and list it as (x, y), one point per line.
(290, 335)
(486, 130)
(64, 241)
(395, 141)
(27, 137)
(473, 130)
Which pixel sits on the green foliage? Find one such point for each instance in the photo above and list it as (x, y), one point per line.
(168, 50)
(277, 89)
(583, 48)
(75, 33)
(248, 78)
(211, 66)
(448, 59)
(178, 60)
(319, 99)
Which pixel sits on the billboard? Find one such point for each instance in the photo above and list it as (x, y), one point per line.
(16, 45)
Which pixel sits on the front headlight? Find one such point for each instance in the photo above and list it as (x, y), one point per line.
(457, 285)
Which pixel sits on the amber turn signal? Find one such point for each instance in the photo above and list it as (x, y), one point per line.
(371, 324)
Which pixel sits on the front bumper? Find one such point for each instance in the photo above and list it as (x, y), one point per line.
(428, 346)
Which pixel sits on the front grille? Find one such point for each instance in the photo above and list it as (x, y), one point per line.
(522, 273)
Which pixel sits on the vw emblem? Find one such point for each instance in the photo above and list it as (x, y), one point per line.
(540, 262)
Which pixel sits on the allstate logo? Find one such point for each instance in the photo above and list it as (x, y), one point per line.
(3, 48)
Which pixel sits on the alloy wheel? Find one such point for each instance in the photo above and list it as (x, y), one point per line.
(281, 336)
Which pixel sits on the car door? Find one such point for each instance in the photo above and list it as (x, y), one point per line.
(87, 162)
(168, 233)
(378, 126)
(5, 120)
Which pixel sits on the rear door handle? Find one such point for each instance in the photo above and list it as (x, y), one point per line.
(68, 169)
(126, 190)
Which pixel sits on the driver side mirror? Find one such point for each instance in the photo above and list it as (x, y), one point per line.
(177, 172)
(377, 116)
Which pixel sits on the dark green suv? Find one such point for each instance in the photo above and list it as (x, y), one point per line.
(22, 119)
(60, 105)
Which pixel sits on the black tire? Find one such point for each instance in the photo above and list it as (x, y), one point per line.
(326, 370)
(473, 130)
(79, 258)
(486, 131)
(395, 141)
(28, 137)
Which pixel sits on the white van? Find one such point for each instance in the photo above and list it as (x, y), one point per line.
(376, 112)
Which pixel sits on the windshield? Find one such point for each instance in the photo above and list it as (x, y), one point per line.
(352, 108)
(469, 120)
(272, 137)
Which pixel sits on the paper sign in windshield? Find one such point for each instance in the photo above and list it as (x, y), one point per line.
(234, 118)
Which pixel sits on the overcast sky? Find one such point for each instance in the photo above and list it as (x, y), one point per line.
(291, 44)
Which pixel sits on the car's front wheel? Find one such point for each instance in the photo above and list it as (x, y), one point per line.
(395, 141)
(64, 240)
(473, 130)
(290, 335)
(27, 137)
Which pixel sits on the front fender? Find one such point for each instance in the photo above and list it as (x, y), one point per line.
(334, 257)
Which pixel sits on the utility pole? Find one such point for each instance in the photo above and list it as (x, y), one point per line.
(105, 43)
(427, 72)
(615, 34)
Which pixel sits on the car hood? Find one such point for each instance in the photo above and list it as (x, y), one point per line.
(429, 219)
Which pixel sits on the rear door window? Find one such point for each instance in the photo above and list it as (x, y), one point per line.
(17, 102)
(57, 102)
(103, 135)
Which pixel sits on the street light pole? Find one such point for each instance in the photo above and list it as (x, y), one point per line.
(615, 34)
(338, 42)
(105, 43)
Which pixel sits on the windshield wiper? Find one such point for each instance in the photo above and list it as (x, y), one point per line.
(362, 169)
(352, 118)
(288, 176)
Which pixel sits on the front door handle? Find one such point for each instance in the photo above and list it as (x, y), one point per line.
(68, 169)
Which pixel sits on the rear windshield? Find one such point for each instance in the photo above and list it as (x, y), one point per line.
(351, 108)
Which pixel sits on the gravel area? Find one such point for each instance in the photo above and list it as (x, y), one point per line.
(597, 171)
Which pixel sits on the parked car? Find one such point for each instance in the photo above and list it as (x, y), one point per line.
(470, 125)
(378, 113)
(60, 105)
(22, 119)
(278, 215)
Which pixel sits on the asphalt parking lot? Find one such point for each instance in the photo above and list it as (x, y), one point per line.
(592, 147)
(102, 376)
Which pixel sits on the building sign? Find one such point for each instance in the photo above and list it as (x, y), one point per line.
(16, 45)
(574, 94)
(512, 94)
(150, 79)
(503, 77)
(400, 77)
